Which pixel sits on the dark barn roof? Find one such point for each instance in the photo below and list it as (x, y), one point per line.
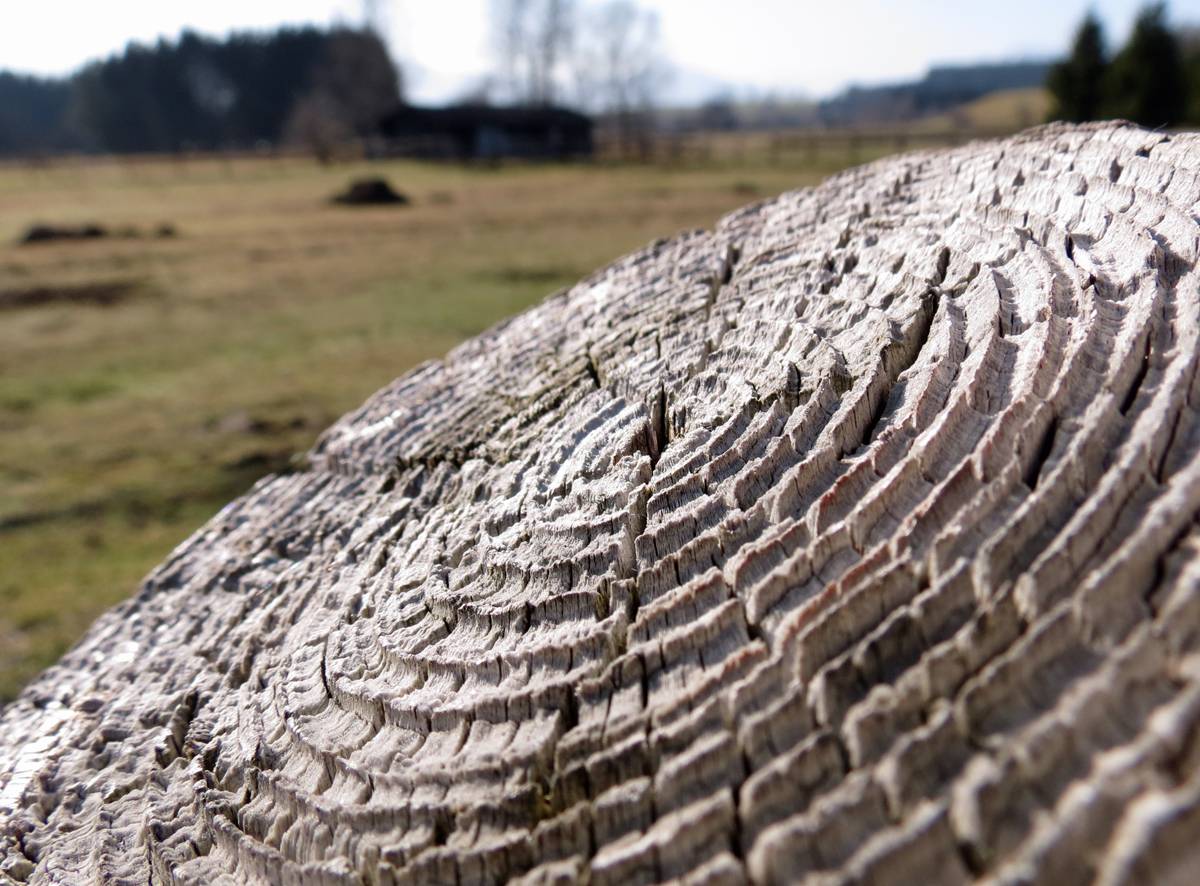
(471, 131)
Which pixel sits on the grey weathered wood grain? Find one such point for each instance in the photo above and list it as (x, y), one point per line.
(852, 542)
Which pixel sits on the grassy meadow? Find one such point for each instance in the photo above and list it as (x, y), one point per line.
(219, 353)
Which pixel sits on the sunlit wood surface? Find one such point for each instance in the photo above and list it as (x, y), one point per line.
(851, 542)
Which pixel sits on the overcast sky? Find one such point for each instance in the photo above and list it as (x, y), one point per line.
(789, 47)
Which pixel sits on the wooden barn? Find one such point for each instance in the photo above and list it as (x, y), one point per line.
(482, 132)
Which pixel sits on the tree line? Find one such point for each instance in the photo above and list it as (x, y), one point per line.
(200, 93)
(1153, 80)
(316, 87)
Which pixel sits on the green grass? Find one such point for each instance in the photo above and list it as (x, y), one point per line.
(124, 427)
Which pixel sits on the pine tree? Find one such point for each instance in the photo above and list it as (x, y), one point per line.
(1076, 83)
(1145, 82)
(1189, 47)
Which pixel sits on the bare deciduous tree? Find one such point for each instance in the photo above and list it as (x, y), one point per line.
(354, 84)
(606, 57)
(316, 124)
(534, 38)
(619, 69)
(374, 14)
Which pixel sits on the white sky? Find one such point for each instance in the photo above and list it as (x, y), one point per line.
(790, 47)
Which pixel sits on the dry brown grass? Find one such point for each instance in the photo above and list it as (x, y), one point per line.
(1007, 110)
(124, 425)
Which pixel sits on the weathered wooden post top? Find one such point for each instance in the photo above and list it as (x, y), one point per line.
(852, 542)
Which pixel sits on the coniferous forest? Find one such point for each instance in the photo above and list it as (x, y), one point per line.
(201, 93)
(1153, 80)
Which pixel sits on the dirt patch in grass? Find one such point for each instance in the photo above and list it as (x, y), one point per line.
(52, 233)
(104, 293)
(370, 192)
(46, 233)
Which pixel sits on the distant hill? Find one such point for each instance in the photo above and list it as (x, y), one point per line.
(1005, 109)
(1020, 100)
(942, 89)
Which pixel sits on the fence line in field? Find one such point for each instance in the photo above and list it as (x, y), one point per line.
(811, 145)
(805, 146)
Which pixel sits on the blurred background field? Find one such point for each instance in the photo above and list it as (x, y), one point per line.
(230, 345)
